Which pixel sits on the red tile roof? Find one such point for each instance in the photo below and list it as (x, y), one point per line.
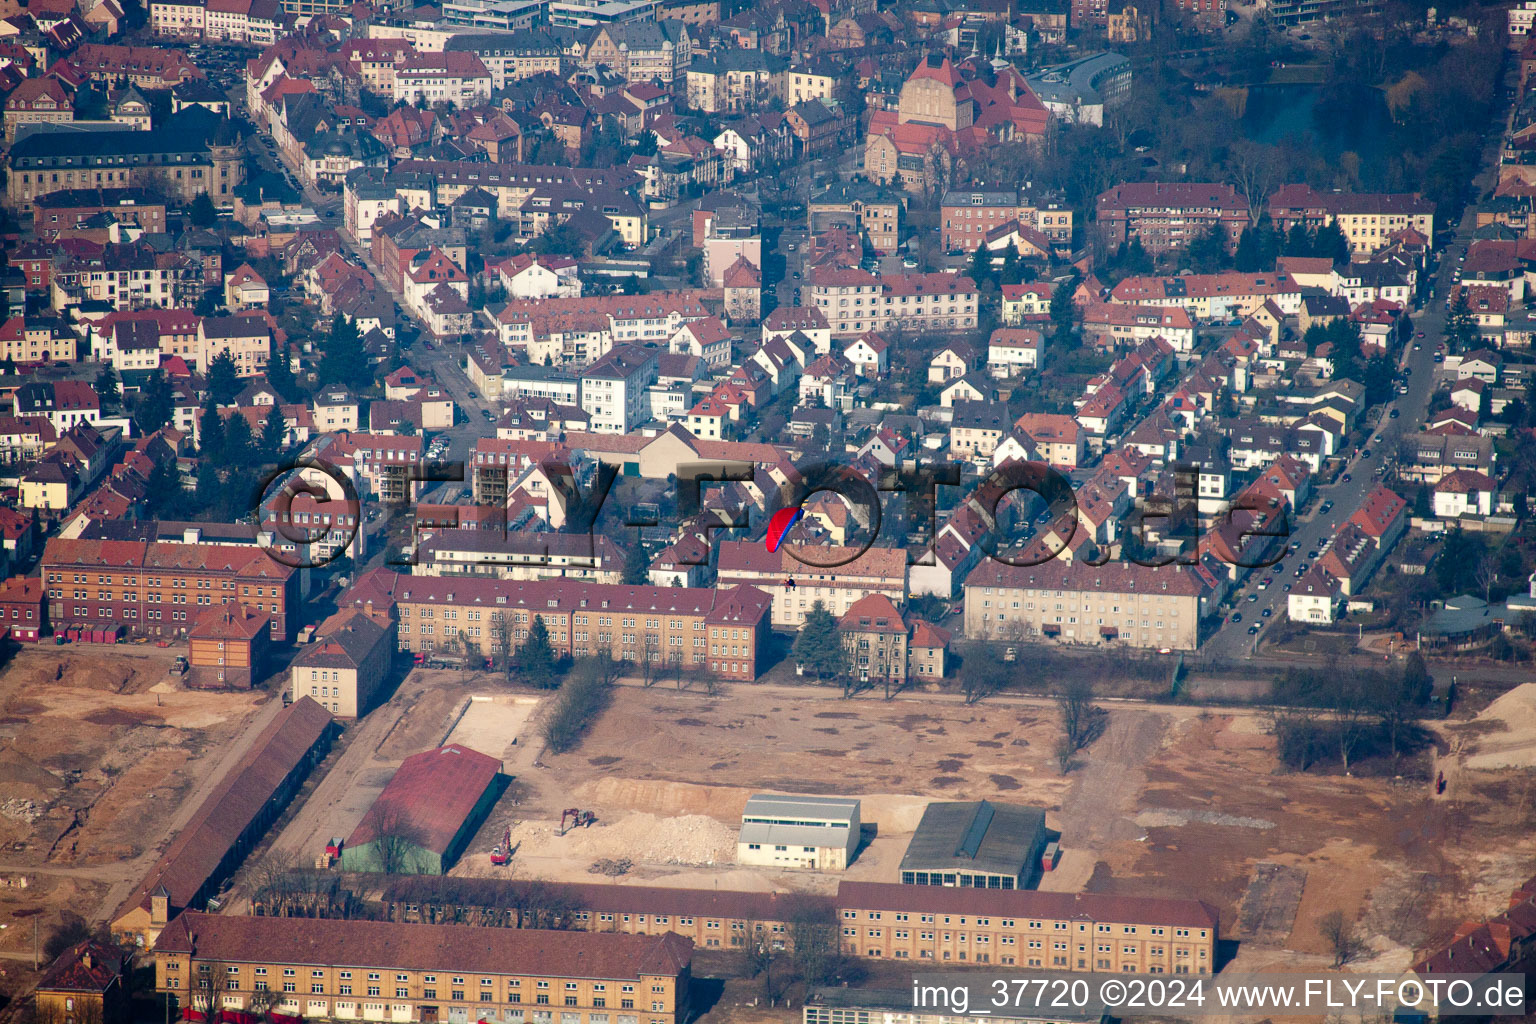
(436, 791)
(557, 954)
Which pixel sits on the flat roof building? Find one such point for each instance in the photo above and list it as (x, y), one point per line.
(979, 845)
(819, 832)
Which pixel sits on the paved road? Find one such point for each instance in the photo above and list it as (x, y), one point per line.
(1313, 529)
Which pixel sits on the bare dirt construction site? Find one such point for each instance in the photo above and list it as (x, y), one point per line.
(98, 753)
(1166, 801)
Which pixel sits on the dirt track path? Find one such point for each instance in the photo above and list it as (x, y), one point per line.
(1109, 776)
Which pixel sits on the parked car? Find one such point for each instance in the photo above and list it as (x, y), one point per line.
(1267, 612)
(1253, 629)
(1237, 617)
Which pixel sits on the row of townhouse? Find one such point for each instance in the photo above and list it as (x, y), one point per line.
(142, 339)
(1213, 296)
(250, 22)
(1352, 557)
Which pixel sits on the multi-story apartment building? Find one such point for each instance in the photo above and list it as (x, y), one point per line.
(574, 332)
(795, 585)
(1117, 325)
(131, 275)
(37, 101)
(376, 970)
(346, 665)
(855, 301)
(519, 555)
(719, 631)
(1367, 219)
(178, 19)
(613, 391)
(1026, 928)
(512, 184)
(1166, 215)
(37, 340)
(1136, 605)
(456, 76)
(511, 57)
(863, 208)
(188, 155)
(390, 464)
(965, 217)
(875, 638)
(148, 67)
(246, 338)
(734, 81)
(641, 50)
(158, 587)
(820, 78)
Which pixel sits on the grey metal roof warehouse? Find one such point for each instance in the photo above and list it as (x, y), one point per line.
(976, 837)
(800, 820)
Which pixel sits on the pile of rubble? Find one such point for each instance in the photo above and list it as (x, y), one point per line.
(22, 810)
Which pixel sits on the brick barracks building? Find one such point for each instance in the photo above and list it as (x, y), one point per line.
(931, 923)
(431, 974)
(159, 588)
(720, 631)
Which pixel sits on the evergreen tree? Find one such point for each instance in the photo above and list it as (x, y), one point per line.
(819, 646)
(1331, 243)
(164, 486)
(1421, 502)
(274, 432)
(981, 265)
(637, 565)
(223, 379)
(202, 212)
(343, 360)
(1064, 313)
(536, 658)
(1208, 251)
(1298, 241)
(1461, 332)
(210, 432)
(106, 385)
(239, 446)
(156, 402)
(1257, 248)
(280, 375)
(208, 484)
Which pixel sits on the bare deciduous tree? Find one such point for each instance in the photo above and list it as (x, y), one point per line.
(395, 838)
(1339, 932)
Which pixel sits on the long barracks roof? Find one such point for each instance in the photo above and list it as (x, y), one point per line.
(374, 944)
(627, 899)
(218, 823)
(1027, 903)
(737, 604)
